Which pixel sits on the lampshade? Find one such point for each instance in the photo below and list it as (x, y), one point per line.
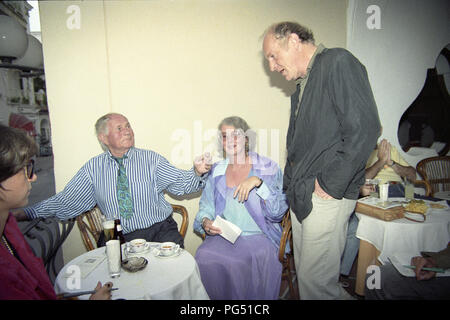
(13, 38)
(33, 56)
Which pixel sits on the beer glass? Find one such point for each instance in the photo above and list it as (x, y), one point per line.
(108, 230)
(409, 190)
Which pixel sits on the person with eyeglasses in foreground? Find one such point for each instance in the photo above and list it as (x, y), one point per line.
(22, 274)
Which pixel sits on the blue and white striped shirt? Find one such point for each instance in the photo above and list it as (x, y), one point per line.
(149, 175)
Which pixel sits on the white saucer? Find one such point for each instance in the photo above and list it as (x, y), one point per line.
(131, 253)
(157, 253)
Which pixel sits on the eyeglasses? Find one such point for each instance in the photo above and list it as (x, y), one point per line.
(232, 134)
(29, 169)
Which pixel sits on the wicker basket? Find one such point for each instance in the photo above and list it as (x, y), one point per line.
(382, 214)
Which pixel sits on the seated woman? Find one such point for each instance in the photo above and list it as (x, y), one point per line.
(22, 274)
(245, 189)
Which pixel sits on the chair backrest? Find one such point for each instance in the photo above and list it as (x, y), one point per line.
(436, 171)
(286, 236)
(185, 218)
(288, 274)
(90, 224)
(45, 237)
(423, 184)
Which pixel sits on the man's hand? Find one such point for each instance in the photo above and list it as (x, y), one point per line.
(419, 263)
(366, 189)
(320, 192)
(209, 228)
(384, 152)
(202, 164)
(102, 292)
(244, 188)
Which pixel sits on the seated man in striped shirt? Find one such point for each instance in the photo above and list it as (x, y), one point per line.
(147, 175)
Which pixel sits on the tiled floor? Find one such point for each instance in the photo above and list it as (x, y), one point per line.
(349, 282)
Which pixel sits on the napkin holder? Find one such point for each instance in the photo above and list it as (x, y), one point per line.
(379, 213)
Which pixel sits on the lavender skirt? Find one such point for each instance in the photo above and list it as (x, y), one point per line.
(249, 269)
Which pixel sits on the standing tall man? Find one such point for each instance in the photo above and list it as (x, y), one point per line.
(333, 128)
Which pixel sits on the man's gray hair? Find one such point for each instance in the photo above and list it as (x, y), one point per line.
(282, 30)
(101, 126)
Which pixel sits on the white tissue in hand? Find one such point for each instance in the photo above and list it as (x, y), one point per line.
(229, 230)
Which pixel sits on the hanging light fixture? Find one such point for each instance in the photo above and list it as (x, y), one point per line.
(13, 39)
(33, 55)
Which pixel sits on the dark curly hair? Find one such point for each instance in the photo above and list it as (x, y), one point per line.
(16, 149)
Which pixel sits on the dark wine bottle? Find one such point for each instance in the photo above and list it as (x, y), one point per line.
(118, 235)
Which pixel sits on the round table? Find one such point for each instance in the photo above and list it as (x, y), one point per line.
(381, 239)
(169, 278)
(442, 195)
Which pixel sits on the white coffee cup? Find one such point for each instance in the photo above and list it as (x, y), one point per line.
(113, 257)
(138, 245)
(384, 191)
(168, 248)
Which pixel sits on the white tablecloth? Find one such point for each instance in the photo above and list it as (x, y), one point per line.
(442, 195)
(175, 278)
(404, 236)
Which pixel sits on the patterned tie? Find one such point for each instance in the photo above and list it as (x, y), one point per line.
(123, 191)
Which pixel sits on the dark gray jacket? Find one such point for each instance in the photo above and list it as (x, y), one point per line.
(335, 131)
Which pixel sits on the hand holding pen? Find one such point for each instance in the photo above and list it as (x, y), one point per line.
(99, 293)
(422, 266)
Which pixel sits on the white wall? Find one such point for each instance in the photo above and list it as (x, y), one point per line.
(397, 55)
(175, 69)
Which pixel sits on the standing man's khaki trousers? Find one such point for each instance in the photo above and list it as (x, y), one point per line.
(318, 245)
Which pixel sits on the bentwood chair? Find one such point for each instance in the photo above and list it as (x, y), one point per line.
(288, 274)
(90, 224)
(423, 184)
(436, 171)
(45, 237)
(185, 218)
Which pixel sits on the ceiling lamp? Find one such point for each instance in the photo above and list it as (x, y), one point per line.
(33, 55)
(13, 39)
